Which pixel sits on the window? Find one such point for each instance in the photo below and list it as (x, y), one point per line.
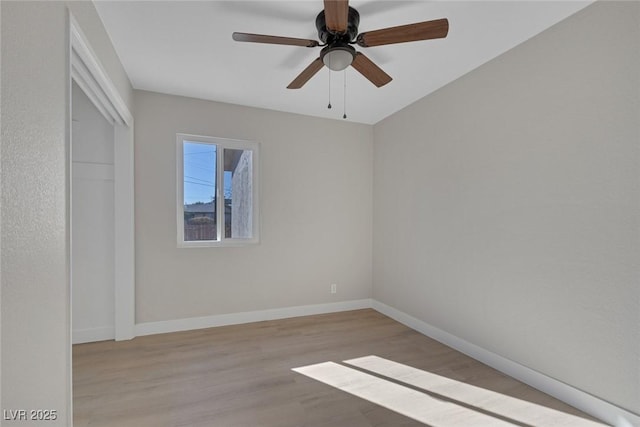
(217, 191)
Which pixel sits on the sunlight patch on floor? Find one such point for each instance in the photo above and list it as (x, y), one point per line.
(461, 404)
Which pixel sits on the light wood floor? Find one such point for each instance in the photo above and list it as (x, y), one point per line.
(237, 376)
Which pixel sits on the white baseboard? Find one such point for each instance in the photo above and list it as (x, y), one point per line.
(93, 334)
(588, 403)
(161, 327)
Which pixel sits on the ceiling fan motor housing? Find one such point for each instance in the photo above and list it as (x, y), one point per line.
(329, 37)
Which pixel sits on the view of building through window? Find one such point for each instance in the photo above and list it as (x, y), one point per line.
(205, 205)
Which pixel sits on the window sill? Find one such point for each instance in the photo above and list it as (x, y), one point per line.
(228, 243)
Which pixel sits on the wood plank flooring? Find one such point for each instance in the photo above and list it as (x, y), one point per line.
(237, 376)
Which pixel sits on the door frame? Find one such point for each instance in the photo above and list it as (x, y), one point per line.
(88, 73)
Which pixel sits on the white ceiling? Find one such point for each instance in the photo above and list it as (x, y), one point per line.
(185, 48)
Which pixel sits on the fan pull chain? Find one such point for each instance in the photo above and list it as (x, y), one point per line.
(344, 99)
(329, 106)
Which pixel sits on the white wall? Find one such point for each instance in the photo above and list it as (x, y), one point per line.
(506, 205)
(92, 222)
(315, 206)
(34, 254)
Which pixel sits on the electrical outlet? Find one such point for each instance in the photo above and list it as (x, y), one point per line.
(334, 288)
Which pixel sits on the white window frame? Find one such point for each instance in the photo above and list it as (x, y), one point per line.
(221, 144)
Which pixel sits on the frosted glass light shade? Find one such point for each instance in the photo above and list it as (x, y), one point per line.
(337, 59)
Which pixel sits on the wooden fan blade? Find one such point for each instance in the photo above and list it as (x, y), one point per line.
(427, 30)
(336, 14)
(370, 70)
(261, 38)
(306, 74)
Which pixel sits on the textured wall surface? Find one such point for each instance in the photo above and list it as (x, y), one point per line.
(315, 213)
(242, 195)
(34, 258)
(35, 310)
(506, 205)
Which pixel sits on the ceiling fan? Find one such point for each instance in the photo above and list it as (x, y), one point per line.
(337, 28)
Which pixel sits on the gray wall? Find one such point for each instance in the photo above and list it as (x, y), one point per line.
(315, 212)
(34, 253)
(506, 205)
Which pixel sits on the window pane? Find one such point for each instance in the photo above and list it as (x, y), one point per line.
(238, 193)
(199, 191)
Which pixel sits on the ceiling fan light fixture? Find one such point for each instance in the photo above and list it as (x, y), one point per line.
(337, 58)
(337, 26)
